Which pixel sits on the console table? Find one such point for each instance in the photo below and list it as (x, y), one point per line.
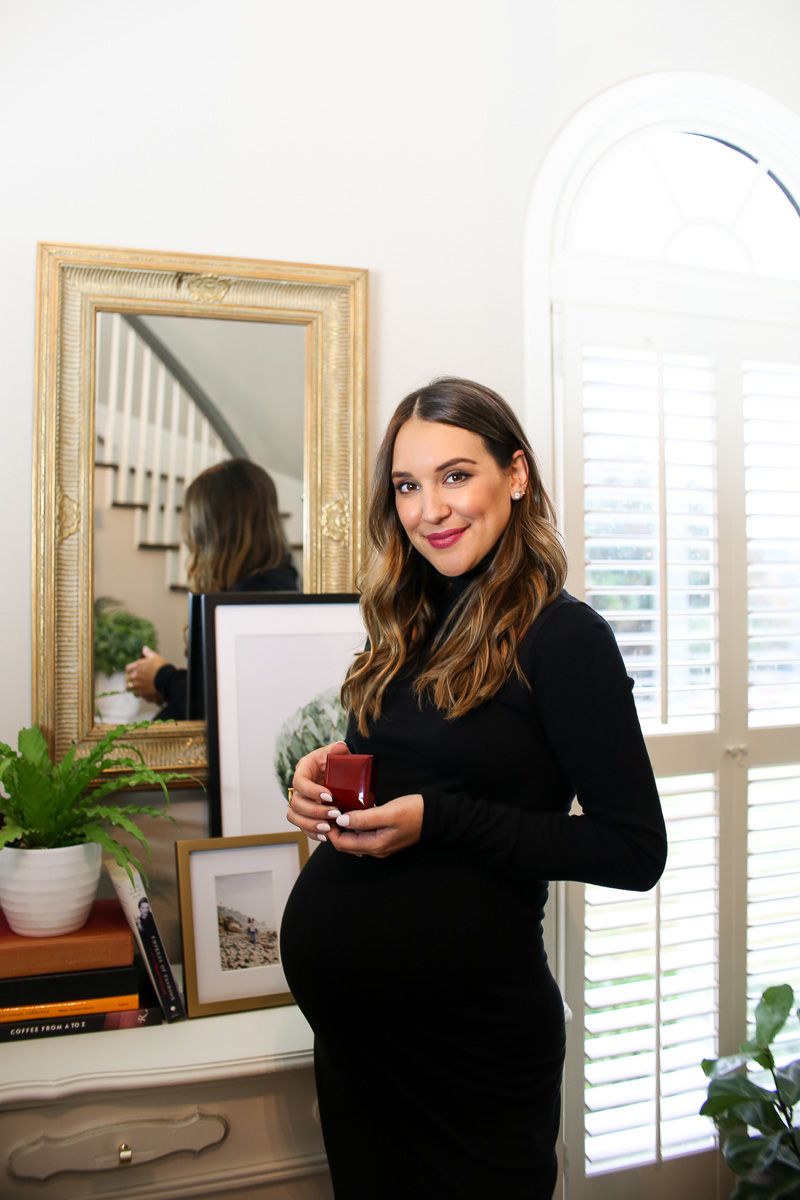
(216, 1106)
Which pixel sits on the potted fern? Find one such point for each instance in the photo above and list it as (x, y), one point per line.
(118, 639)
(55, 826)
(761, 1139)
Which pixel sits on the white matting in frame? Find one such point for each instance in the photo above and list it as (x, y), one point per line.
(233, 892)
(272, 661)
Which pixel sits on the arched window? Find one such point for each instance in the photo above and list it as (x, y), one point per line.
(688, 199)
(672, 250)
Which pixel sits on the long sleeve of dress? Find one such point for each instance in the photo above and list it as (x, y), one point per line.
(170, 682)
(582, 706)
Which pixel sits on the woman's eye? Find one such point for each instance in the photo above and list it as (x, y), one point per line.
(456, 476)
(404, 487)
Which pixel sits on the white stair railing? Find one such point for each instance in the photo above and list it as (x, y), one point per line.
(153, 437)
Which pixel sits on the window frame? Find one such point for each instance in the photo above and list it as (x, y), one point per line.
(729, 111)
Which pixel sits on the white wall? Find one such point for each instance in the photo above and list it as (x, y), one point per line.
(402, 138)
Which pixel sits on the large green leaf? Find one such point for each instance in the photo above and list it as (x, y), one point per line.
(760, 1054)
(739, 1098)
(780, 1186)
(8, 764)
(715, 1068)
(116, 816)
(788, 1079)
(35, 789)
(122, 855)
(750, 1155)
(10, 833)
(789, 1153)
(733, 1090)
(33, 747)
(771, 1013)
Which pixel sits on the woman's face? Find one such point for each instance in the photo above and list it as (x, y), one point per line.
(452, 498)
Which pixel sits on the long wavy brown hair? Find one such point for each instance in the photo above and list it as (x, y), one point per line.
(474, 651)
(231, 525)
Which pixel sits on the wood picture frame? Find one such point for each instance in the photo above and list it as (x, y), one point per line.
(232, 895)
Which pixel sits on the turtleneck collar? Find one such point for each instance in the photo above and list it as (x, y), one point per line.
(458, 584)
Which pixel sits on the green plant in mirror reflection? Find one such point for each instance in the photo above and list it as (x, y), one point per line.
(119, 636)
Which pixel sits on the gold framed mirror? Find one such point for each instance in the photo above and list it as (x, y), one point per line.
(106, 314)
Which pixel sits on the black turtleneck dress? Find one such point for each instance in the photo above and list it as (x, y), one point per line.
(439, 1030)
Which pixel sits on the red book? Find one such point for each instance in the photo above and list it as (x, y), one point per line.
(104, 941)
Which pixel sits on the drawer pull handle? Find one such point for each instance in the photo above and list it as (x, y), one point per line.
(106, 1148)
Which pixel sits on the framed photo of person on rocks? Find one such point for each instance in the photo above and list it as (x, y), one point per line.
(232, 895)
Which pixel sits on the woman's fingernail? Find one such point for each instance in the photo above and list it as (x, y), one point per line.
(325, 798)
(343, 819)
(321, 837)
(334, 813)
(324, 826)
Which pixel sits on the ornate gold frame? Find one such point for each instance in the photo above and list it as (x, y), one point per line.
(73, 283)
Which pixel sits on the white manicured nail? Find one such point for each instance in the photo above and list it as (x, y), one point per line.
(324, 827)
(334, 813)
(321, 837)
(343, 819)
(325, 798)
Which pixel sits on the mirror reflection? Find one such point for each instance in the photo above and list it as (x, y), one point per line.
(176, 399)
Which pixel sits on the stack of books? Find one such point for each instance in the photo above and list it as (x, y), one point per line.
(79, 982)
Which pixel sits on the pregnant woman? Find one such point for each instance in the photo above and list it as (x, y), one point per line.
(490, 699)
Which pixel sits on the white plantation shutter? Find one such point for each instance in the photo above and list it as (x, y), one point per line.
(772, 483)
(687, 510)
(651, 995)
(650, 526)
(773, 878)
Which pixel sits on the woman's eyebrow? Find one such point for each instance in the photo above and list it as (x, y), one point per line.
(451, 462)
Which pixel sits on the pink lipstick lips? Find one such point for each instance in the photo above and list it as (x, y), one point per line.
(448, 537)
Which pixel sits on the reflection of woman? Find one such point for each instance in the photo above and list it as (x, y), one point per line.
(232, 528)
(412, 939)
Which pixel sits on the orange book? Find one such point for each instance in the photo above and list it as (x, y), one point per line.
(69, 1008)
(104, 941)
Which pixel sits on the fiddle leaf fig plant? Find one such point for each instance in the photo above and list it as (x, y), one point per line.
(46, 805)
(761, 1139)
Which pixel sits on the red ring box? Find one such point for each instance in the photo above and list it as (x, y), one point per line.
(350, 779)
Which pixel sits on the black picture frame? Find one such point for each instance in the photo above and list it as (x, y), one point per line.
(195, 662)
(267, 657)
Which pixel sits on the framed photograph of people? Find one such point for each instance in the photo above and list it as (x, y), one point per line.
(275, 663)
(232, 895)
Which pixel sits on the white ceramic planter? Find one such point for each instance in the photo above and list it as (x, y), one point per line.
(49, 892)
(120, 708)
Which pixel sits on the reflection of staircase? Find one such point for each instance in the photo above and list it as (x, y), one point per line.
(155, 429)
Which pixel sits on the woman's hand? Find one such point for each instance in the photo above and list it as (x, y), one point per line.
(383, 830)
(141, 675)
(312, 809)
(378, 832)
